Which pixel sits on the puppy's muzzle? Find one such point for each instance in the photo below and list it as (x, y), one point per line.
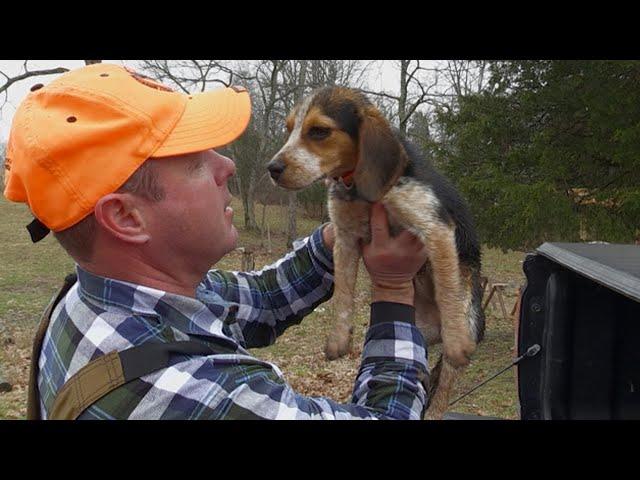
(276, 167)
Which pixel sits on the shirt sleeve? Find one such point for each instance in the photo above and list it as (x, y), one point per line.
(390, 383)
(268, 301)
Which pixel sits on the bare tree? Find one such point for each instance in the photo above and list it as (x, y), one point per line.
(194, 75)
(271, 95)
(4, 88)
(267, 95)
(463, 77)
(3, 151)
(434, 87)
(459, 78)
(416, 86)
(191, 76)
(275, 86)
(27, 73)
(347, 73)
(298, 80)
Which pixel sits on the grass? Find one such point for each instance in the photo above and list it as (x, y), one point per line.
(31, 273)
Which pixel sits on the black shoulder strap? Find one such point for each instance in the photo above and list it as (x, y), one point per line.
(149, 357)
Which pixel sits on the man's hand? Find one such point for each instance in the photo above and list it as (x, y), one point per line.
(392, 262)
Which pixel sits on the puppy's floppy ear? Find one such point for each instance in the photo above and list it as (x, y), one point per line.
(381, 158)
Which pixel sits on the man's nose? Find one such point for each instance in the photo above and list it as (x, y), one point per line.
(225, 164)
(223, 167)
(230, 166)
(276, 167)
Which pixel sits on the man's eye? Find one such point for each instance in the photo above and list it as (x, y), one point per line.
(318, 133)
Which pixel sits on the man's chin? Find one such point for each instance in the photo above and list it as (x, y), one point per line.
(223, 246)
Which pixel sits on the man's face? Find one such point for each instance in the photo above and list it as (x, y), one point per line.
(192, 225)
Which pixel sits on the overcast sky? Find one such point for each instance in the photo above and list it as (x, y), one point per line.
(383, 76)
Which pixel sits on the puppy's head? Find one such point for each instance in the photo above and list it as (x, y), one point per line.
(335, 132)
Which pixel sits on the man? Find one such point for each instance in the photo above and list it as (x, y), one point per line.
(125, 173)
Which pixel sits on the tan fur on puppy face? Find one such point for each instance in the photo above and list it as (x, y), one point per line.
(337, 152)
(307, 159)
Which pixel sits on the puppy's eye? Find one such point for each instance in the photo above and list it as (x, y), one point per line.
(318, 133)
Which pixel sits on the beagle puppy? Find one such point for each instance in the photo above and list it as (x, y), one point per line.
(338, 134)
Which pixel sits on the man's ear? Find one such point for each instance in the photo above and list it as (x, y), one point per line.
(381, 158)
(119, 215)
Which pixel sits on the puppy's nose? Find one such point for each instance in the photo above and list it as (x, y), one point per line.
(276, 167)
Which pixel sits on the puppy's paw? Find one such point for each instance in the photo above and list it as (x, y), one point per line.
(458, 353)
(338, 343)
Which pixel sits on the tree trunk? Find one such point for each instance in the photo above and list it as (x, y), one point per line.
(262, 224)
(249, 213)
(292, 231)
(293, 226)
(402, 101)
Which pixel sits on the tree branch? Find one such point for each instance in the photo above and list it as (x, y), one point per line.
(381, 94)
(11, 80)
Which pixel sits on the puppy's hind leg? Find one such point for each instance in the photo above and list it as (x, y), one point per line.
(442, 379)
(346, 255)
(444, 375)
(439, 237)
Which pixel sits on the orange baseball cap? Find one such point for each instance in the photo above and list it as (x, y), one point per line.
(84, 134)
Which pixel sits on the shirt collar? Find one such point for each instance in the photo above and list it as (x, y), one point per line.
(189, 315)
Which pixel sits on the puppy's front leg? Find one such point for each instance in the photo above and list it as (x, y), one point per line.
(346, 256)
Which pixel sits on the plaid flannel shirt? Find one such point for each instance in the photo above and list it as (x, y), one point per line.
(233, 311)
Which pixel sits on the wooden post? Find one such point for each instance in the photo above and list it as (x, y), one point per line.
(499, 289)
(486, 303)
(248, 261)
(483, 284)
(496, 288)
(264, 211)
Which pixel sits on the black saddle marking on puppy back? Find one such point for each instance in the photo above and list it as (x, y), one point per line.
(453, 208)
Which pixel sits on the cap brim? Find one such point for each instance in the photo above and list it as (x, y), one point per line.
(210, 120)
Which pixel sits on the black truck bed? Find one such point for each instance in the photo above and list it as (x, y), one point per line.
(581, 304)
